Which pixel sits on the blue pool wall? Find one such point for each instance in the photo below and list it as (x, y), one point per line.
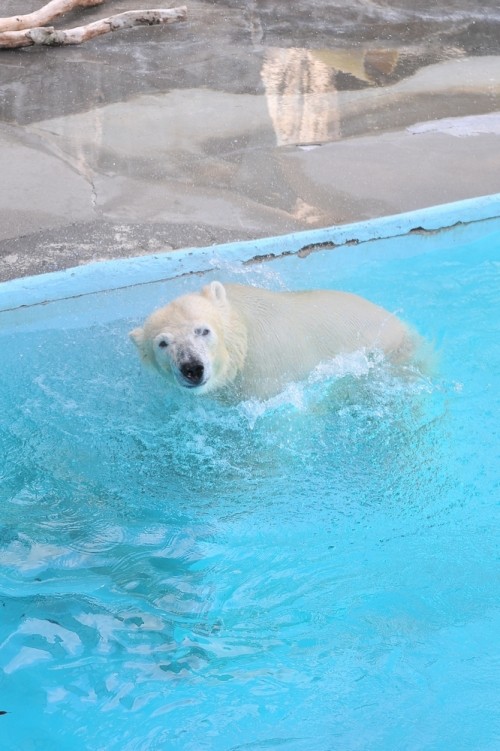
(403, 234)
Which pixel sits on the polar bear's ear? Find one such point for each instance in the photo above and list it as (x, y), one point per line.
(137, 336)
(215, 291)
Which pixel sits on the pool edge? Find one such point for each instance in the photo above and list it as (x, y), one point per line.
(127, 272)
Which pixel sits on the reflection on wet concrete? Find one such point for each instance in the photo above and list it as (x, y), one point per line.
(253, 118)
(301, 87)
(300, 95)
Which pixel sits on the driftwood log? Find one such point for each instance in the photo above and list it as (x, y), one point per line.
(27, 30)
(49, 12)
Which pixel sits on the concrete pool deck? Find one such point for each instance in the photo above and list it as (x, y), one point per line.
(247, 121)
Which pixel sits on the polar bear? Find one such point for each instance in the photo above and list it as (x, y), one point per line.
(242, 341)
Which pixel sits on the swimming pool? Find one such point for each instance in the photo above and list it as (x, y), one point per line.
(313, 573)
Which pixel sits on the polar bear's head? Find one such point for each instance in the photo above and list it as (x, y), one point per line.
(197, 339)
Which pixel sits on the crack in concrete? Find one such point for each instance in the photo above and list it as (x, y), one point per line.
(93, 194)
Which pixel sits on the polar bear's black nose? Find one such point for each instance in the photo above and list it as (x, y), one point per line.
(192, 371)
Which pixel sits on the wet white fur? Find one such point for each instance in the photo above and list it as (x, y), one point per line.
(260, 340)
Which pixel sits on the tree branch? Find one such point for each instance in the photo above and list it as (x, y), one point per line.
(51, 37)
(48, 12)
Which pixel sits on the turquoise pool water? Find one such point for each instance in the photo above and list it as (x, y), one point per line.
(315, 573)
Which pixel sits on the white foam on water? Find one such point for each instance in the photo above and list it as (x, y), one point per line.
(301, 395)
(291, 396)
(356, 364)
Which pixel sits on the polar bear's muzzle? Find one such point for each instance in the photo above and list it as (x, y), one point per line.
(191, 373)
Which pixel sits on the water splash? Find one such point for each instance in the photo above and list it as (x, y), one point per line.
(180, 574)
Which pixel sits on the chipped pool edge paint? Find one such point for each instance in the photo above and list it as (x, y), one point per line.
(129, 272)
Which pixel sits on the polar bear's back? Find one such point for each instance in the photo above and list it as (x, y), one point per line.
(290, 333)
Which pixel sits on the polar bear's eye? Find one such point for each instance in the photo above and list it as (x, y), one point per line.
(163, 343)
(202, 331)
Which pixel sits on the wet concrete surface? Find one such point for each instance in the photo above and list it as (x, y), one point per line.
(253, 118)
